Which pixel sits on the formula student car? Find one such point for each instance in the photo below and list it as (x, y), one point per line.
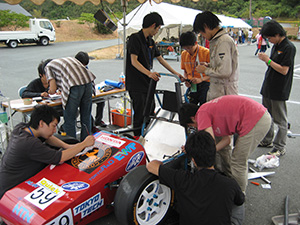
(110, 175)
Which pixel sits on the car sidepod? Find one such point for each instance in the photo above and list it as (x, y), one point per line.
(78, 191)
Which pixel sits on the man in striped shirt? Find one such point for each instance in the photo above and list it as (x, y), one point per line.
(75, 82)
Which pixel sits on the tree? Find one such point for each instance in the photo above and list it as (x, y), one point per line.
(37, 13)
(4, 18)
(237, 8)
(16, 20)
(102, 29)
(87, 18)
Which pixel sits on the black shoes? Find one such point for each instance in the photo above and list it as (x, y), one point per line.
(265, 145)
(102, 124)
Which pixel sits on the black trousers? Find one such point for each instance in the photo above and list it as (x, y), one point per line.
(138, 103)
(199, 97)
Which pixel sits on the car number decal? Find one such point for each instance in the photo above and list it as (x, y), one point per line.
(65, 218)
(45, 195)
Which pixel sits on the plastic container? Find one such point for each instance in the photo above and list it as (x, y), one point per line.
(27, 101)
(119, 119)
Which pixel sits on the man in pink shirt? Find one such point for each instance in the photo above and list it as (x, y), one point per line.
(228, 115)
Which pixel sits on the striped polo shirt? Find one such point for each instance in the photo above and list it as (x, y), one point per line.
(68, 72)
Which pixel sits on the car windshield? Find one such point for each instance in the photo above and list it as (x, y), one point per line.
(46, 25)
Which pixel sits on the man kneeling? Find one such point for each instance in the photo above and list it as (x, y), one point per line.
(205, 196)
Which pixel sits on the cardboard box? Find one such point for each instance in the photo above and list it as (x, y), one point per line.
(119, 119)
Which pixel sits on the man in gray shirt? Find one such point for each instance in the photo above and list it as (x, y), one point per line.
(26, 154)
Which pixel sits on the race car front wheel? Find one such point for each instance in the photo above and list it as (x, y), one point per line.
(141, 199)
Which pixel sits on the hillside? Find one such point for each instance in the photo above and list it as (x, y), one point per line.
(71, 30)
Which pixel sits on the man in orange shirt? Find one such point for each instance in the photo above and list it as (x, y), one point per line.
(193, 55)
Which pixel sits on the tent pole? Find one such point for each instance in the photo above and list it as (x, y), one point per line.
(124, 5)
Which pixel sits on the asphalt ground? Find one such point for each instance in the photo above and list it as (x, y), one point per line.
(18, 67)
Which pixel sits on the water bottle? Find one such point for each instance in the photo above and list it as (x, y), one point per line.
(122, 78)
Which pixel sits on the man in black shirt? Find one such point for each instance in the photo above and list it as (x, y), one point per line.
(39, 86)
(141, 50)
(205, 196)
(277, 84)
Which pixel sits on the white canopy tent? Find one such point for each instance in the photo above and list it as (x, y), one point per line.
(177, 19)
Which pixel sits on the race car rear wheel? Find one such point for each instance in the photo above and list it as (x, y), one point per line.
(141, 199)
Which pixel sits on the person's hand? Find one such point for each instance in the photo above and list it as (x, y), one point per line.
(45, 94)
(201, 68)
(187, 84)
(263, 56)
(183, 148)
(180, 77)
(153, 166)
(89, 140)
(154, 75)
(204, 64)
(196, 80)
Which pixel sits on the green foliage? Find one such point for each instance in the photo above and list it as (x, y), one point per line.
(37, 13)
(236, 8)
(4, 18)
(87, 18)
(16, 20)
(292, 37)
(102, 29)
(58, 23)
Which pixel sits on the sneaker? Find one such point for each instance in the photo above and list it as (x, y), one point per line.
(265, 145)
(277, 152)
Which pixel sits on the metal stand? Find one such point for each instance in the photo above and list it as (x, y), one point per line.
(6, 124)
(291, 135)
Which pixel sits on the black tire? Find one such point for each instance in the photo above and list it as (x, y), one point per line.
(131, 204)
(44, 41)
(13, 44)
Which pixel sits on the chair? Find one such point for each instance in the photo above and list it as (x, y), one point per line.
(21, 90)
(26, 117)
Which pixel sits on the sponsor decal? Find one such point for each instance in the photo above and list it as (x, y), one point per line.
(92, 157)
(50, 186)
(32, 184)
(75, 186)
(47, 193)
(134, 161)
(65, 218)
(104, 166)
(106, 139)
(89, 206)
(23, 213)
(124, 152)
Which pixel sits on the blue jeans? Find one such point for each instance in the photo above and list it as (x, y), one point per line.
(80, 97)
